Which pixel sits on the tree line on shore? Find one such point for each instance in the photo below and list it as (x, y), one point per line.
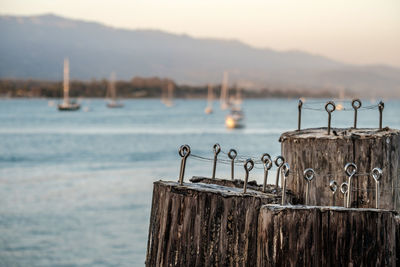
(138, 87)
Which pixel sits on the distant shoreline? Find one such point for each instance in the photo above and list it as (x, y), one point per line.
(138, 88)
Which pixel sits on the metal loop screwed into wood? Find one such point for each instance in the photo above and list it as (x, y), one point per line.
(217, 149)
(184, 152)
(344, 188)
(248, 166)
(308, 176)
(266, 159)
(333, 186)
(300, 105)
(376, 174)
(356, 104)
(285, 174)
(381, 106)
(232, 155)
(281, 159)
(330, 104)
(350, 169)
(279, 165)
(330, 110)
(285, 169)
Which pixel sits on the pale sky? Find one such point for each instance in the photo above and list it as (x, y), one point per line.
(352, 31)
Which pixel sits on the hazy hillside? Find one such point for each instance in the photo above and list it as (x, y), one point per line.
(34, 47)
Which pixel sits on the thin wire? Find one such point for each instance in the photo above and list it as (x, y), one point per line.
(373, 189)
(353, 189)
(239, 161)
(311, 106)
(344, 109)
(344, 174)
(244, 158)
(225, 161)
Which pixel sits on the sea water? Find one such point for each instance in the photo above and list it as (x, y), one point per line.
(76, 187)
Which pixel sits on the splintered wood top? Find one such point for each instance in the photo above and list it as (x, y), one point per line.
(339, 133)
(224, 191)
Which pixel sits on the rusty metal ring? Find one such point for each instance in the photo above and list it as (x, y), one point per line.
(286, 169)
(232, 153)
(333, 186)
(184, 151)
(381, 105)
(248, 167)
(344, 187)
(347, 169)
(300, 104)
(267, 163)
(309, 174)
(282, 161)
(376, 174)
(332, 104)
(358, 102)
(217, 149)
(265, 157)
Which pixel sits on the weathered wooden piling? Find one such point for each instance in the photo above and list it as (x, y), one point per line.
(398, 240)
(200, 224)
(325, 236)
(216, 222)
(328, 154)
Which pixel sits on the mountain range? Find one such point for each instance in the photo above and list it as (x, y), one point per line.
(33, 47)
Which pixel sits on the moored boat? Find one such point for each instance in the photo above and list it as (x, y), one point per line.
(67, 105)
(112, 94)
(235, 119)
(115, 104)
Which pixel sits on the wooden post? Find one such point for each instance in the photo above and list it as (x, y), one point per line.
(204, 225)
(325, 236)
(328, 154)
(398, 240)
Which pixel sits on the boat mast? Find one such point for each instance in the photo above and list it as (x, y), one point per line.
(66, 81)
(224, 91)
(210, 95)
(112, 88)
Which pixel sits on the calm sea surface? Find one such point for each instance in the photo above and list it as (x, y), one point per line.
(75, 188)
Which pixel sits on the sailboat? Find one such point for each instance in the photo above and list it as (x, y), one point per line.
(224, 92)
(112, 94)
(210, 96)
(235, 119)
(66, 105)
